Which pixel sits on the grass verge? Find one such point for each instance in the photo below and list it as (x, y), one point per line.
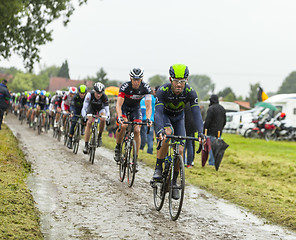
(255, 174)
(19, 218)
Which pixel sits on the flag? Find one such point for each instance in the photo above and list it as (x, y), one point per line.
(262, 96)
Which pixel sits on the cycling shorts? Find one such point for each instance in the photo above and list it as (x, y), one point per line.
(175, 122)
(135, 113)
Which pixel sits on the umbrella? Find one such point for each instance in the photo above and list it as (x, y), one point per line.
(218, 148)
(112, 90)
(205, 151)
(266, 105)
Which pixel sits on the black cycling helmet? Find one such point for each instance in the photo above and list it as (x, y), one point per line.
(99, 87)
(136, 73)
(179, 71)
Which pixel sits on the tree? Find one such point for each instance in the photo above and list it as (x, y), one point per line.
(253, 94)
(22, 82)
(101, 77)
(24, 26)
(51, 71)
(202, 84)
(228, 94)
(157, 80)
(64, 70)
(289, 84)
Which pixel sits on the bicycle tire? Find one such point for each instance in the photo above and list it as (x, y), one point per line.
(159, 193)
(39, 125)
(131, 163)
(93, 146)
(175, 206)
(76, 138)
(122, 163)
(66, 130)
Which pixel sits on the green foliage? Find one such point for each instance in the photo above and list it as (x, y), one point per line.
(289, 84)
(64, 70)
(51, 71)
(24, 26)
(157, 80)
(202, 84)
(101, 77)
(11, 70)
(227, 94)
(22, 82)
(115, 83)
(253, 94)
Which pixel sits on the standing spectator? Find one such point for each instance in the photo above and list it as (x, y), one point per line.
(190, 130)
(215, 121)
(4, 99)
(148, 138)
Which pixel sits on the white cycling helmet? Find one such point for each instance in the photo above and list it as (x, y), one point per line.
(137, 73)
(99, 87)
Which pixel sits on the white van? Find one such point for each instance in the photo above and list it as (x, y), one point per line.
(285, 103)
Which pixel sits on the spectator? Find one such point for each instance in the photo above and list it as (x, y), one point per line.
(148, 138)
(4, 99)
(189, 144)
(215, 121)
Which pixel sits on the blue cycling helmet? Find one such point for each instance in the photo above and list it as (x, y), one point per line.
(179, 71)
(37, 92)
(42, 93)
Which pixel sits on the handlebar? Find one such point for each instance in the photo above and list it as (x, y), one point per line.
(134, 123)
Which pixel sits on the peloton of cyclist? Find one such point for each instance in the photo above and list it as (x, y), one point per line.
(95, 102)
(128, 103)
(75, 109)
(169, 114)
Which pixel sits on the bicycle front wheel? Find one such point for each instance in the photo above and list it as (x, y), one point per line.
(131, 164)
(123, 162)
(39, 123)
(76, 139)
(177, 188)
(158, 194)
(92, 149)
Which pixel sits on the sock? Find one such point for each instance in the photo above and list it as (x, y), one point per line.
(159, 163)
(86, 144)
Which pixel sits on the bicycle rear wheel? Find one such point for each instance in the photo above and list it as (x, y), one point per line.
(66, 131)
(39, 121)
(131, 163)
(175, 205)
(76, 138)
(123, 162)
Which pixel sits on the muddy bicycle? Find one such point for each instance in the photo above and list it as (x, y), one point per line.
(168, 183)
(94, 136)
(128, 159)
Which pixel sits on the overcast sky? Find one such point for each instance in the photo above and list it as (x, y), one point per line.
(235, 42)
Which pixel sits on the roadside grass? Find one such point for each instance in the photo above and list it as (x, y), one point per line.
(255, 174)
(19, 218)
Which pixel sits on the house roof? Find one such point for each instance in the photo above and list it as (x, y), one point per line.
(58, 83)
(8, 77)
(242, 104)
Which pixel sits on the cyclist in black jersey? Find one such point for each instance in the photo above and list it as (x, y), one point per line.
(75, 109)
(169, 114)
(128, 103)
(95, 102)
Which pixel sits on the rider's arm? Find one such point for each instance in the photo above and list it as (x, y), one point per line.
(85, 104)
(196, 111)
(119, 103)
(159, 108)
(148, 106)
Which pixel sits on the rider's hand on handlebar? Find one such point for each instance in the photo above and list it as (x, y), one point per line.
(161, 134)
(120, 120)
(149, 123)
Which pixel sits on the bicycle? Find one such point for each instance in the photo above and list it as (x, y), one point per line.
(126, 162)
(77, 134)
(67, 128)
(93, 137)
(166, 184)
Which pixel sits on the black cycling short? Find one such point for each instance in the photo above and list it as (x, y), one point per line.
(135, 113)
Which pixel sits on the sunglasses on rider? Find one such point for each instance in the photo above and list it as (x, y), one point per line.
(178, 80)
